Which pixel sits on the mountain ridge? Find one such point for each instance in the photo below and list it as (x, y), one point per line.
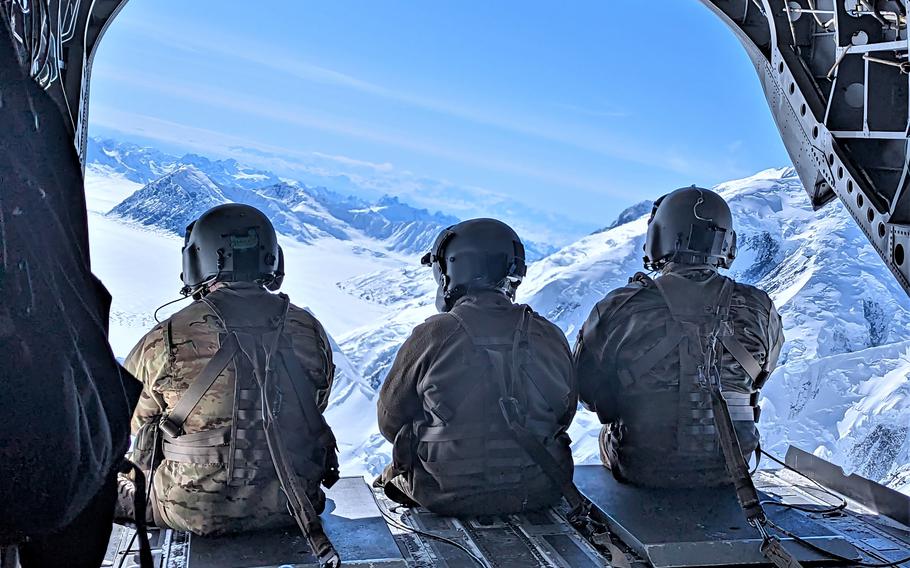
(304, 212)
(839, 304)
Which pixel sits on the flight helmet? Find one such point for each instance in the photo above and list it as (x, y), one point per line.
(231, 243)
(691, 226)
(479, 254)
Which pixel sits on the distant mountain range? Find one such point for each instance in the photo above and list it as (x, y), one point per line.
(842, 388)
(178, 189)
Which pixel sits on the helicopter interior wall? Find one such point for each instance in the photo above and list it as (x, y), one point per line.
(835, 76)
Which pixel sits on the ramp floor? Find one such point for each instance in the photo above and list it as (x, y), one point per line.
(694, 527)
(352, 522)
(536, 540)
(661, 530)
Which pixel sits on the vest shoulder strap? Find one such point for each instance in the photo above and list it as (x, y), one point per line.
(172, 422)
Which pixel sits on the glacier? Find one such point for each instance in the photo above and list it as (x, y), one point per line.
(842, 389)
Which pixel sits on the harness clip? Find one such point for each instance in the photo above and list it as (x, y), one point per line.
(511, 410)
(169, 428)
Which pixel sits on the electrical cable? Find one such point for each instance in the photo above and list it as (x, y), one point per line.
(831, 509)
(155, 315)
(401, 526)
(833, 555)
(834, 508)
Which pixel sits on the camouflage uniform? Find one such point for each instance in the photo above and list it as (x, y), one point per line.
(453, 452)
(222, 497)
(658, 427)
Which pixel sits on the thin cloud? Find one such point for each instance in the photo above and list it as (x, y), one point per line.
(284, 114)
(271, 57)
(586, 111)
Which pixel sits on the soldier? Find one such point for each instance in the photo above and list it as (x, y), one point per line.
(651, 352)
(480, 396)
(209, 371)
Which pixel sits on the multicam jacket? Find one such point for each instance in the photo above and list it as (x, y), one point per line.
(235, 488)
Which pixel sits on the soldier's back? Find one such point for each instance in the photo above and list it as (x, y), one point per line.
(650, 338)
(467, 460)
(217, 475)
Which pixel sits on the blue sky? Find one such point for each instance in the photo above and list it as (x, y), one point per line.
(553, 116)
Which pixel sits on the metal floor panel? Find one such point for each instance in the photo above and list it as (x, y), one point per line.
(351, 519)
(880, 539)
(695, 527)
(535, 540)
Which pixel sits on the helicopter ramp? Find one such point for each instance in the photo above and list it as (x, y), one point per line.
(682, 529)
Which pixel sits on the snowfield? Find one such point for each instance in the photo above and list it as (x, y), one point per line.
(842, 389)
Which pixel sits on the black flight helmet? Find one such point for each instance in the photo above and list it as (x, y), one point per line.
(231, 243)
(479, 254)
(691, 226)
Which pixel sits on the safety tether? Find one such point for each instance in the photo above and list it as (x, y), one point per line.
(737, 468)
(510, 385)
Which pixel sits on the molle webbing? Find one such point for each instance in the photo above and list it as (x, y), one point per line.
(528, 436)
(242, 446)
(495, 459)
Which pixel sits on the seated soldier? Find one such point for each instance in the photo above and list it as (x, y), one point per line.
(644, 356)
(209, 369)
(475, 385)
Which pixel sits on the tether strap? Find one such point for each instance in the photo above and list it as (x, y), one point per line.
(299, 504)
(515, 417)
(172, 422)
(146, 560)
(315, 420)
(736, 465)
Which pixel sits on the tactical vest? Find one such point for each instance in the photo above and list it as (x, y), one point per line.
(470, 462)
(667, 435)
(252, 341)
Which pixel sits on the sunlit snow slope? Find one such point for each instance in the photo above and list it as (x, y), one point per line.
(842, 386)
(841, 390)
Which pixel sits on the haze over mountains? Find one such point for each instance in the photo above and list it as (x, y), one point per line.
(191, 184)
(842, 389)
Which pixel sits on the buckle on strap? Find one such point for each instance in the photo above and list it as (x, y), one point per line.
(511, 411)
(169, 428)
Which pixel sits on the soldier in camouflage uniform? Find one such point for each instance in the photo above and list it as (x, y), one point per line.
(216, 475)
(640, 355)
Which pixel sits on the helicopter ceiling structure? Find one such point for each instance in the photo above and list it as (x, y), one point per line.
(836, 76)
(56, 41)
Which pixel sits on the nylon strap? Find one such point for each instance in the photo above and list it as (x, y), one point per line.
(172, 422)
(736, 465)
(315, 419)
(645, 363)
(742, 356)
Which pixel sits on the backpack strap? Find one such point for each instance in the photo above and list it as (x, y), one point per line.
(315, 419)
(753, 368)
(736, 465)
(172, 422)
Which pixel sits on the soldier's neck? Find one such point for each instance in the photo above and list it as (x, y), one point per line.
(688, 269)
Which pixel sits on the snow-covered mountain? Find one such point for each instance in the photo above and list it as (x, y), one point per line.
(173, 201)
(141, 164)
(304, 212)
(842, 386)
(842, 389)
